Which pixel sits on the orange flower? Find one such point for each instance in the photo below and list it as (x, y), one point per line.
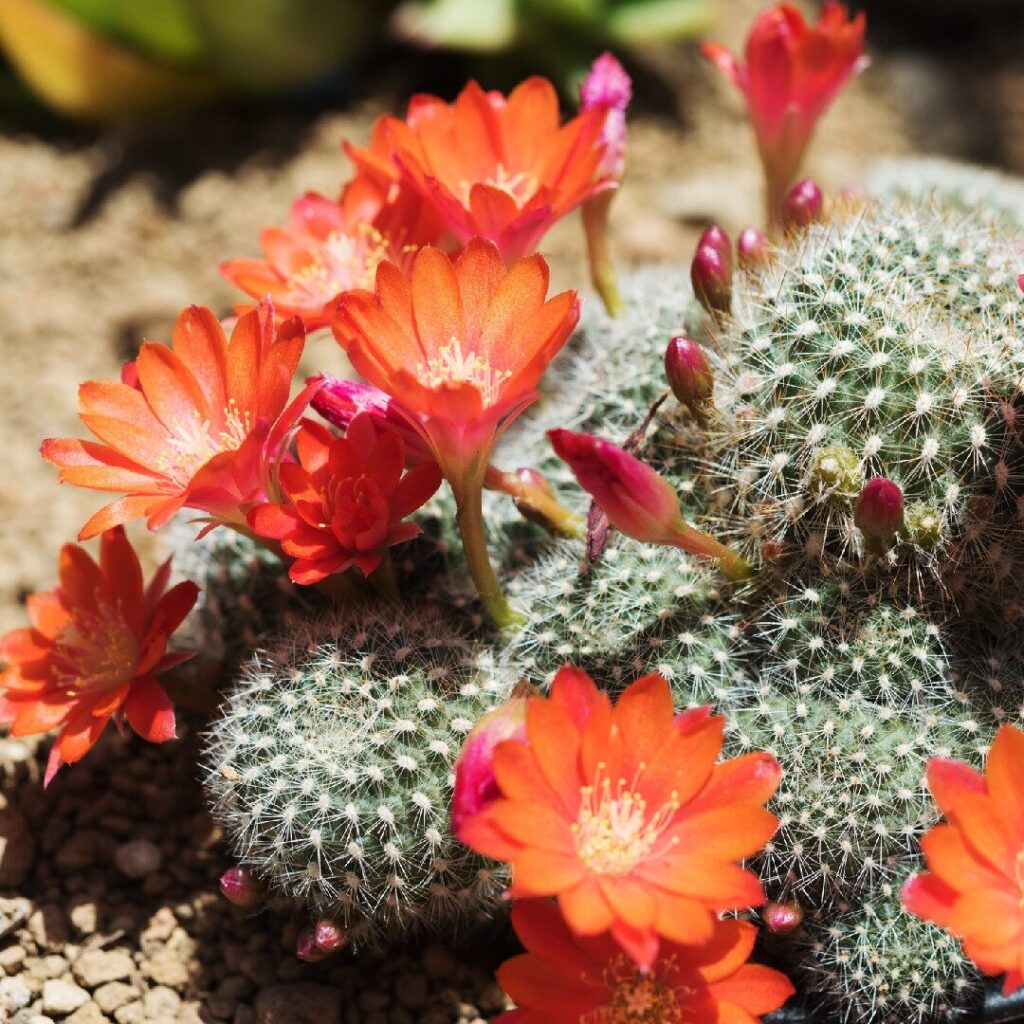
(346, 498)
(624, 815)
(461, 345)
(975, 884)
(565, 979)
(500, 168)
(330, 247)
(199, 425)
(93, 649)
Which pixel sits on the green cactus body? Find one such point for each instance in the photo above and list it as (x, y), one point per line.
(332, 768)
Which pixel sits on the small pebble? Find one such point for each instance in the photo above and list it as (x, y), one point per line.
(138, 858)
(63, 997)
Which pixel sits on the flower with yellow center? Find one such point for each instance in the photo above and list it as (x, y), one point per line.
(563, 978)
(622, 812)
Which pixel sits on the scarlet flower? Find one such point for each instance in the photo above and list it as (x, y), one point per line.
(793, 73)
(345, 500)
(461, 345)
(200, 424)
(637, 501)
(565, 979)
(974, 887)
(330, 247)
(92, 651)
(622, 813)
(500, 168)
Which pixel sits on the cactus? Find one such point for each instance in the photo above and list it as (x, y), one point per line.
(880, 344)
(331, 768)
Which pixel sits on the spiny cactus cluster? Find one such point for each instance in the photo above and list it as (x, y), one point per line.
(332, 768)
(885, 342)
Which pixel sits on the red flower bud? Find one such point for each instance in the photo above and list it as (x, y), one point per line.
(803, 205)
(239, 885)
(753, 248)
(306, 948)
(1020, 282)
(475, 785)
(329, 936)
(711, 270)
(878, 513)
(689, 374)
(782, 918)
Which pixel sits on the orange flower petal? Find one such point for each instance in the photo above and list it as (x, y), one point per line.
(1003, 779)
(541, 872)
(585, 909)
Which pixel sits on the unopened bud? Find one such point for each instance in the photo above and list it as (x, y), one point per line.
(878, 513)
(1020, 282)
(306, 948)
(711, 270)
(782, 918)
(689, 375)
(803, 205)
(239, 885)
(329, 936)
(753, 248)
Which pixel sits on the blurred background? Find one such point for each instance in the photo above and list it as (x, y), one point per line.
(143, 141)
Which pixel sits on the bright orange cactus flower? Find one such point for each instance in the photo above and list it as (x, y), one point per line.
(623, 814)
(460, 344)
(93, 650)
(329, 247)
(563, 978)
(974, 886)
(201, 424)
(504, 169)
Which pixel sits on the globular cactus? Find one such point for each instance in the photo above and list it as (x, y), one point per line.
(884, 343)
(331, 767)
(877, 963)
(639, 609)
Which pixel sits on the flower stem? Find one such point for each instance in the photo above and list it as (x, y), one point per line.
(383, 579)
(697, 542)
(470, 517)
(602, 273)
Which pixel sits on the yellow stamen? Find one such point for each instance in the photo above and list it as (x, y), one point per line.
(451, 365)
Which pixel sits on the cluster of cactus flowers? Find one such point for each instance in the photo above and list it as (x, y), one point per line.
(705, 669)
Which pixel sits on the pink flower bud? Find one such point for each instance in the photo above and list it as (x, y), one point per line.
(689, 374)
(239, 885)
(536, 480)
(329, 936)
(782, 918)
(753, 248)
(475, 785)
(803, 205)
(306, 948)
(637, 501)
(340, 401)
(1020, 282)
(711, 270)
(609, 88)
(878, 513)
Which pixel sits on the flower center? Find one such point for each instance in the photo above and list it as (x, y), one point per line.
(521, 186)
(639, 998)
(359, 513)
(96, 651)
(344, 261)
(194, 442)
(451, 365)
(616, 830)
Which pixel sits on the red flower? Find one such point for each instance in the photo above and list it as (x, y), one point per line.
(975, 883)
(199, 425)
(461, 345)
(793, 73)
(500, 168)
(331, 247)
(92, 651)
(565, 979)
(622, 813)
(345, 500)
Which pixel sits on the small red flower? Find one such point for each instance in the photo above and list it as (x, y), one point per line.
(499, 168)
(793, 72)
(565, 979)
(330, 247)
(345, 500)
(623, 813)
(200, 424)
(974, 886)
(92, 651)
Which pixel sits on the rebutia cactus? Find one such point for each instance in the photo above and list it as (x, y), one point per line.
(331, 767)
(878, 346)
